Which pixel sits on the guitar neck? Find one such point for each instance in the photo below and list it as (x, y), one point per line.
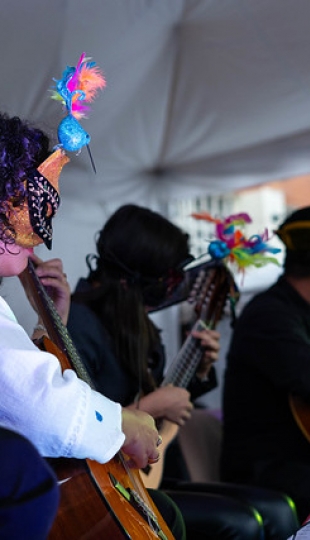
(183, 367)
(57, 331)
(210, 292)
(183, 290)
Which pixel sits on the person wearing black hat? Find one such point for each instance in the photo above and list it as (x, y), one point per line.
(266, 401)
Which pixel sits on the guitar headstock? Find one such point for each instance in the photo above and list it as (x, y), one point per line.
(183, 290)
(213, 287)
(207, 285)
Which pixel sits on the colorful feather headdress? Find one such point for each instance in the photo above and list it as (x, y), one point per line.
(234, 247)
(76, 89)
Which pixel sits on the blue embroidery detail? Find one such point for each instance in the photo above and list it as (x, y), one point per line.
(99, 416)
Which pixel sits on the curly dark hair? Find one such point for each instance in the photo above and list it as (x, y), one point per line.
(22, 149)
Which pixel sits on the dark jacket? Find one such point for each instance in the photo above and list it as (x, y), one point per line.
(95, 348)
(268, 361)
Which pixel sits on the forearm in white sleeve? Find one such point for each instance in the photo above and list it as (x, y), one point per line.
(58, 412)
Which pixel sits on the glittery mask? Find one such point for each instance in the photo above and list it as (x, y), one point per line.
(32, 221)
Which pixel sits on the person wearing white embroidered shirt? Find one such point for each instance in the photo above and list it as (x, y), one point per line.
(64, 417)
(88, 425)
(59, 413)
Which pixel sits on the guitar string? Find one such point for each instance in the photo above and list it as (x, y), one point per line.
(207, 287)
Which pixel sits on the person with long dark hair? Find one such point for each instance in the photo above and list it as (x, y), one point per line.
(140, 259)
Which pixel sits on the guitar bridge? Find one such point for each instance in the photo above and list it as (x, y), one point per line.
(139, 504)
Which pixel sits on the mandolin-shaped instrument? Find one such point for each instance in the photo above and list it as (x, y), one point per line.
(208, 286)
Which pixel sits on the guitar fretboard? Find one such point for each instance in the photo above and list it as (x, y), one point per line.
(183, 367)
(55, 327)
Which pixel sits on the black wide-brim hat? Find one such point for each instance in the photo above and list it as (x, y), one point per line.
(295, 230)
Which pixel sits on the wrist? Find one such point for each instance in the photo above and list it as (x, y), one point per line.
(151, 405)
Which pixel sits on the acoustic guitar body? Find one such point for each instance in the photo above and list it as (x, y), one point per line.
(300, 410)
(82, 513)
(100, 501)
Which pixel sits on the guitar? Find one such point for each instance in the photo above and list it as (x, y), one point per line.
(300, 411)
(212, 285)
(95, 500)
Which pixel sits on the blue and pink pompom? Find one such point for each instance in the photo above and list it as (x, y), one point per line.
(233, 246)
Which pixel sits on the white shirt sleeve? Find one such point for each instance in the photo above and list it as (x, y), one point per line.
(59, 413)
(302, 534)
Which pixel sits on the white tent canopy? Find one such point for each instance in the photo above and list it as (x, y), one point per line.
(202, 96)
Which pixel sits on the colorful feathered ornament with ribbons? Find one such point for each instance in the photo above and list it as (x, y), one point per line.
(232, 245)
(77, 88)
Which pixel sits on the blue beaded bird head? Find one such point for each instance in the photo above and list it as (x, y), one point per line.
(71, 135)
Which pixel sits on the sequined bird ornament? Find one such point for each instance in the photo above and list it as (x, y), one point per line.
(232, 245)
(77, 88)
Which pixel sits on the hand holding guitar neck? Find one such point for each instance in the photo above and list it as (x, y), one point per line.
(210, 344)
(54, 280)
(142, 437)
(168, 402)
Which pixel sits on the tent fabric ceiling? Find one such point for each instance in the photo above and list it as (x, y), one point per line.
(202, 96)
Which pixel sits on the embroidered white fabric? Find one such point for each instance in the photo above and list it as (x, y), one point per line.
(302, 534)
(58, 413)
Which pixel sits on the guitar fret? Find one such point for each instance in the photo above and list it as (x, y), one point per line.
(57, 331)
(186, 372)
(184, 365)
